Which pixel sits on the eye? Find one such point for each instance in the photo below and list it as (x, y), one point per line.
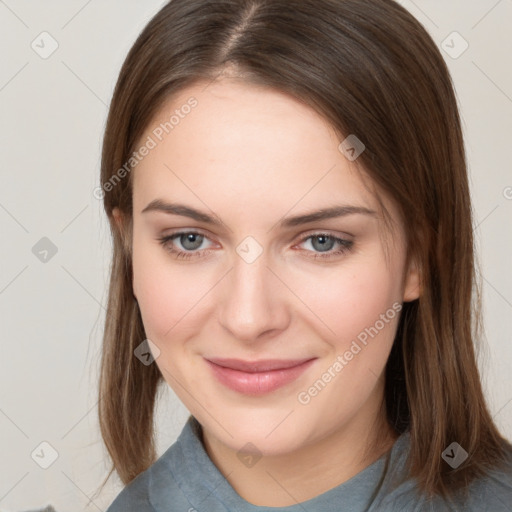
(325, 242)
(189, 240)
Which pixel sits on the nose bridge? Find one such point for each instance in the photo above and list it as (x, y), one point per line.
(250, 306)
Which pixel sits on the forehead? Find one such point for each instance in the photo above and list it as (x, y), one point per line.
(255, 145)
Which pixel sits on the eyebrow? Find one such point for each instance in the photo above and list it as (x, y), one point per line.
(159, 205)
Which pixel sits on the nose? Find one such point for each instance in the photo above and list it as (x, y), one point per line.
(253, 302)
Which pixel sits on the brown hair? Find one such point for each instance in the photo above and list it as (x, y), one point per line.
(371, 69)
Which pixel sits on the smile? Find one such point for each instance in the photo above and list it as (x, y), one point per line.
(257, 377)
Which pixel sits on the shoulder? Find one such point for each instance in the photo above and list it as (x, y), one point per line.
(494, 491)
(157, 488)
(154, 490)
(400, 493)
(491, 492)
(134, 497)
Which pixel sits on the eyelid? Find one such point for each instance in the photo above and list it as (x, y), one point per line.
(192, 231)
(328, 232)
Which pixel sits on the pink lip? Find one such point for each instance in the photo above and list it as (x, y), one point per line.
(257, 377)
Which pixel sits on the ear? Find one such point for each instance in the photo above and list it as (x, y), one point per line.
(122, 228)
(412, 282)
(120, 223)
(116, 214)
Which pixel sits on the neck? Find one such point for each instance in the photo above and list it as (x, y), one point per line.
(291, 478)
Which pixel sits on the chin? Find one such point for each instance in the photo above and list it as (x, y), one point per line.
(270, 435)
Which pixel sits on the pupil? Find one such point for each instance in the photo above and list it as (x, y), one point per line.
(323, 242)
(193, 239)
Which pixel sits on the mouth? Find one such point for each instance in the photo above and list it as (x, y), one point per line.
(257, 377)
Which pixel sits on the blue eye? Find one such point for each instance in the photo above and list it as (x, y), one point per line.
(326, 243)
(192, 240)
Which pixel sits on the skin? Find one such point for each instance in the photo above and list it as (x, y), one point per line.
(252, 156)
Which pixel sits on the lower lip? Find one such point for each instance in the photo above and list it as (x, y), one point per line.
(258, 383)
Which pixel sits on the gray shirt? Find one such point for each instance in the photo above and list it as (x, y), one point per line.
(184, 479)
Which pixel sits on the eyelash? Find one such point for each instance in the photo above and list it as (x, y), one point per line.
(345, 246)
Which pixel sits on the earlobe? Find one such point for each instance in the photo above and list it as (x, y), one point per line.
(119, 222)
(412, 283)
(116, 214)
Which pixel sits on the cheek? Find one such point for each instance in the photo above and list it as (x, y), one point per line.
(165, 292)
(361, 307)
(349, 298)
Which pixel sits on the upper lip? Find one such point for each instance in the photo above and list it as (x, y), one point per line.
(264, 365)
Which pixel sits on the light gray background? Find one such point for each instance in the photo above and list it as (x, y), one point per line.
(53, 113)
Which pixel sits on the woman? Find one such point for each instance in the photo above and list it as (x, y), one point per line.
(293, 255)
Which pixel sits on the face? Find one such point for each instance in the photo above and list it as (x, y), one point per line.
(271, 328)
